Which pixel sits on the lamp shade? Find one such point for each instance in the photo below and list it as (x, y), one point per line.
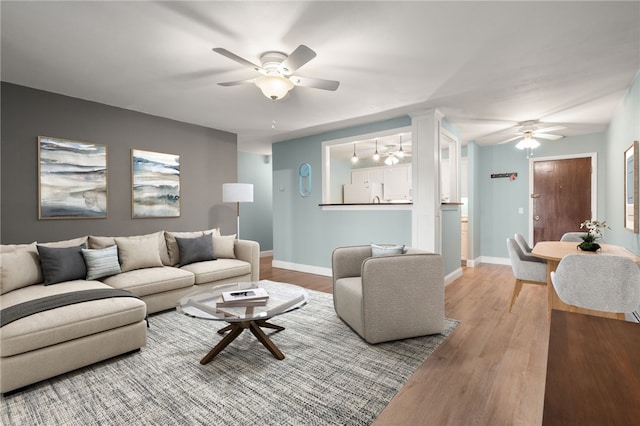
(274, 86)
(237, 192)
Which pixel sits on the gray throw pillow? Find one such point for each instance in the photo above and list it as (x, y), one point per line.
(62, 264)
(196, 249)
(378, 250)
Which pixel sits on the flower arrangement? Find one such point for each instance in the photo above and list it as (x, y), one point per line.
(594, 230)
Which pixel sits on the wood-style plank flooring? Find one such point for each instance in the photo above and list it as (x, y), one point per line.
(490, 371)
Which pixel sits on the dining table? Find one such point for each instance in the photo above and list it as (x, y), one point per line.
(554, 251)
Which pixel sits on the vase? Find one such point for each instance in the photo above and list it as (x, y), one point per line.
(585, 246)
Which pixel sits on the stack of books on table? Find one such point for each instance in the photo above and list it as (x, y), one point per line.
(245, 297)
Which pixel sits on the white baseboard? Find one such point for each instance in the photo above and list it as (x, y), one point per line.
(317, 270)
(453, 276)
(495, 260)
(266, 253)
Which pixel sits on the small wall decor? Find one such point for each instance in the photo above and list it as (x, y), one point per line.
(510, 175)
(304, 179)
(155, 190)
(72, 179)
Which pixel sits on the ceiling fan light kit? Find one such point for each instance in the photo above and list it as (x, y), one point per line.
(274, 87)
(528, 142)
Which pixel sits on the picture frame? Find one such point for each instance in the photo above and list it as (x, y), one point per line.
(631, 201)
(155, 184)
(72, 179)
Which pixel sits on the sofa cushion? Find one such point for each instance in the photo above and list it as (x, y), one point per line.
(223, 246)
(196, 249)
(215, 270)
(143, 282)
(172, 245)
(66, 323)
(101, 262)
(62, 263)
(19, 266)
(138, 253)
(96, 242)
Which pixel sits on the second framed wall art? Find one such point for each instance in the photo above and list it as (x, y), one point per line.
(155, 190)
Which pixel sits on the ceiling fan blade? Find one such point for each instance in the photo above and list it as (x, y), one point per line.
(238, 59)
(298, 58)
(547, 136)
(236, 83)
(549, 129)
(316, 83)
(510, 139)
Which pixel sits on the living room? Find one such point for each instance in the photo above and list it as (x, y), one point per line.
(295, 230)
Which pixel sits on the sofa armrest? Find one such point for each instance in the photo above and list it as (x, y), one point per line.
(347, 261)
(249, 251)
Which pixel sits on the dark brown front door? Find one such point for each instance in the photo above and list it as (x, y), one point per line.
(561, 197)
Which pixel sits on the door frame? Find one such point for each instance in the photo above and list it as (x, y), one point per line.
(594, 182)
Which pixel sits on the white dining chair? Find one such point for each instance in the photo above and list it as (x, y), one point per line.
(527, 269)
(599, 282)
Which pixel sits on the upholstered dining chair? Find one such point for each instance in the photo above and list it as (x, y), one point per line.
(526, 249)
(576, 237)
(389, 297)
(527, 269)
(600, 282)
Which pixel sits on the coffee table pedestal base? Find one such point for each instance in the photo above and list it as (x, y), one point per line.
(236, 328)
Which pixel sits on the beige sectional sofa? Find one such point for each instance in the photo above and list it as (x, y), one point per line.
(158, 269)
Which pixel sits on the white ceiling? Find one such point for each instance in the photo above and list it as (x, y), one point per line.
(486, 65)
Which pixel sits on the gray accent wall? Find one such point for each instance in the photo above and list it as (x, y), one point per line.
(208, 158)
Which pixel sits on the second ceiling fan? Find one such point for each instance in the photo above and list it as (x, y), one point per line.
(277, 70)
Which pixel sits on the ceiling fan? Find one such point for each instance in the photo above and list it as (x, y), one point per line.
(395, 153)
(527, 130)
(277, 70)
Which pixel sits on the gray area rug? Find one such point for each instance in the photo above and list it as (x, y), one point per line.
(329, 376)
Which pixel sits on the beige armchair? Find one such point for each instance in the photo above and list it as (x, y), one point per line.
(390, 297)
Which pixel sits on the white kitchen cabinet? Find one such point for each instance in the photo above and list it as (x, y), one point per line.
(368, 175)
(397, 182)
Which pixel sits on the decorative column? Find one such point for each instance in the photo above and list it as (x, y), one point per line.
(425, 217)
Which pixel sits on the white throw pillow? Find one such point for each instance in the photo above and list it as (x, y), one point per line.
(224, 247)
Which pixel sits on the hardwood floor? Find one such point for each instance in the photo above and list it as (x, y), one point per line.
(490, 370)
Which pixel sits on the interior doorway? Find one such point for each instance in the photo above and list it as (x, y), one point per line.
(563, 195)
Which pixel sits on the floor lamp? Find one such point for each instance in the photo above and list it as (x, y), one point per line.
(237, 193)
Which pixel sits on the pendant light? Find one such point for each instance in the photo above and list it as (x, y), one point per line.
(400, 153)
(376, 156)
(354, 159)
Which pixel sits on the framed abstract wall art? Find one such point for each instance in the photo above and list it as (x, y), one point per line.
(155, 187)
(631, 192)
(72, 179)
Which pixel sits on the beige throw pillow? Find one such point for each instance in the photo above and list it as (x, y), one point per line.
(223, 247)
(104, 242)
(138, 253)
(74, 242)
(19, 266)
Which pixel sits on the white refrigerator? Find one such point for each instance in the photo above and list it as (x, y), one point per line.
(362, 193)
